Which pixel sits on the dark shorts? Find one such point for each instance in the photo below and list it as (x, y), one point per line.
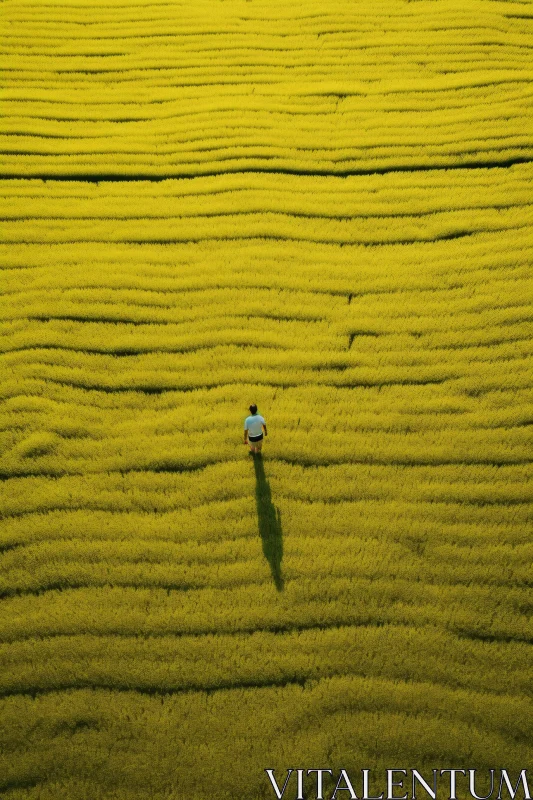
(255, 438)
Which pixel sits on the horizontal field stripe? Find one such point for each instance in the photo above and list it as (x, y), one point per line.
(516, 176)
(441, 606)
(282, 356)
(493, 161)
(24, 213)
(332, 359)
(209, 286)
(371, 230)
(458, 515)
(200, 663)
(451, 518)
(495, 567)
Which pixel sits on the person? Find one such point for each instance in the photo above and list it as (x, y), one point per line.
(254, 425)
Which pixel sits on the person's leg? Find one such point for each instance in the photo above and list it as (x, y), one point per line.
(259, 445)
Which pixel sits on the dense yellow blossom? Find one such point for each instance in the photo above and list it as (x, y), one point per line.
(324, 208)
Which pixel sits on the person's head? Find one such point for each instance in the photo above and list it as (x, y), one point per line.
(253, 409)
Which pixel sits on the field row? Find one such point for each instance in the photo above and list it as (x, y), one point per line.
(311, 99)
(317, 207)
(447, 363)
(463, 264)
(316, 191)
(43, 424)
(363, 315)
(145, 269)
(151, 169)
(184, 121)
(461, 378)
(506, 412)
(263, 658)
(405, 406)
(46, 452)
(330, 98)
(131, 44)
(125, 340)
(271, 225)
(299, 19)
(327, 267)
(450, 521)
(238, 561)
(178, 602)
(313, 9)
(157, 492)
(270, 63)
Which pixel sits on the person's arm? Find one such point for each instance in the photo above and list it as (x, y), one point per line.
(265, 428)
(246, 436)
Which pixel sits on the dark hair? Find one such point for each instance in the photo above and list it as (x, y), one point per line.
(253, 409)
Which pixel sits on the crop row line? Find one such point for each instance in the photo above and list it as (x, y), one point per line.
(95, 177)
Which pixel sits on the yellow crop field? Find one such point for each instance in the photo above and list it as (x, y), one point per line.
(324, 208)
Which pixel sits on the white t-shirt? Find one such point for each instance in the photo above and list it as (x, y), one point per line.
(254, 424)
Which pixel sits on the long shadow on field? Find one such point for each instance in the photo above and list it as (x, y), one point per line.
(269, 522)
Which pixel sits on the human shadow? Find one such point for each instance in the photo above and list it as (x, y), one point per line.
(269, 522)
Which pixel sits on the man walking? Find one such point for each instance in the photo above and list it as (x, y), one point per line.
(254, 425)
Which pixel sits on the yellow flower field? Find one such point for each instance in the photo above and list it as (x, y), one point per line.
(324, 208)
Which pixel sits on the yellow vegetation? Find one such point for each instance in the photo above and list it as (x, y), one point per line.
(325, 209)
